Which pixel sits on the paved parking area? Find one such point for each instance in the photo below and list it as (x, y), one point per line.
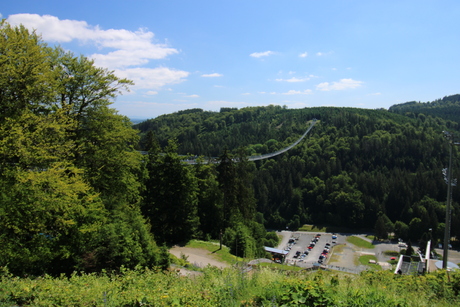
(342, 255)
(302, 240)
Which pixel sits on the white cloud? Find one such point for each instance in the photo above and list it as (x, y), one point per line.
(324, 53)
(131, 48)
(246, 94)
(127, 49)
(151, 93)
(261, 54)
(214, 75)
(293, 92)
(375, 94)
(192, 96)
(303, 55)
(343, 84)
(148, 78)
(293, 79)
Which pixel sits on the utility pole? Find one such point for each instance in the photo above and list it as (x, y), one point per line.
(450, 139)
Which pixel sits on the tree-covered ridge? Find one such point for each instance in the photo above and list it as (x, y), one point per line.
(447, 108)
(355, 167)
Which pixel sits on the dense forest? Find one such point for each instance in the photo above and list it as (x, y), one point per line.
(448, 108)
(367, 169)
(76, 194)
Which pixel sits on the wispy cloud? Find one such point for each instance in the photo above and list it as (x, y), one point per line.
(214, 75)
(148, 78)
(151, 93)
(303, 55)
(343, 84)
(293, 79)
(293, 92)
(132, 48)
(261, 54)
(192, 96)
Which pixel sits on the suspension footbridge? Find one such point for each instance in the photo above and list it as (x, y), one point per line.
(258, 157)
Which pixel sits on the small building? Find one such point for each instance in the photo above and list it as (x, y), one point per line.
(278, 255)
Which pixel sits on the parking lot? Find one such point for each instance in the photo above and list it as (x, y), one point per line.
(344, 254)
(307, 249)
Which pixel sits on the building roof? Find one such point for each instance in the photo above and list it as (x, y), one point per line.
(275, 250)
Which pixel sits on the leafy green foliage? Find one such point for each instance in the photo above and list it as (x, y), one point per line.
(213, 287)
(26, 80)
(70, 180)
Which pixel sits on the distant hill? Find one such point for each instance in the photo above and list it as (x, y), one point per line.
(136, 120)
(356, 165)
(447, 108)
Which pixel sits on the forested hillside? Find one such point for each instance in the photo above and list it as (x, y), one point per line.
(355, 168)
(447, 108)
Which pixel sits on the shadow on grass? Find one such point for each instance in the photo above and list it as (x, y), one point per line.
(220, 248)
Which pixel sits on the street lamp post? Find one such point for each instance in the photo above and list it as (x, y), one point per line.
(450, 138)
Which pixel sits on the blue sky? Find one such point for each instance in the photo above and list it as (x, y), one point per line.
(212, 54)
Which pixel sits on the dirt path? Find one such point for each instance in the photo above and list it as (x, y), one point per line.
(198, 256)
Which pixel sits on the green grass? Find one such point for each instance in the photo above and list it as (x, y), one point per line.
(359, 242)
(213, 247)
(232, 287)
(364, 260)
(322, 228)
